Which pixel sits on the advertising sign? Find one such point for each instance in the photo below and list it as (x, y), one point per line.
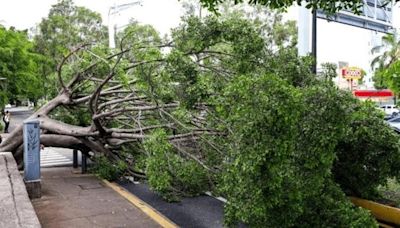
(354, 73)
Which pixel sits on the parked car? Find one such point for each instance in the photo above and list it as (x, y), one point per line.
(395, 123)
(395, 114)
(389, 109)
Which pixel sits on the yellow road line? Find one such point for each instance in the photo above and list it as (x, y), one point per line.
(147, 209)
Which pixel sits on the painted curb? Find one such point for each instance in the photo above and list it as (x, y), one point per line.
(144, 207)
(380, 211)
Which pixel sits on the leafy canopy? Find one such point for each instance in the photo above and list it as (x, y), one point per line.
(18, 66)
(325, 5)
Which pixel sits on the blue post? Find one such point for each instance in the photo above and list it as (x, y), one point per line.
(31, 150)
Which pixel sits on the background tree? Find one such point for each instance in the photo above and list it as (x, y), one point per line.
(385, 70)
(66, 27)
(19, 67)
(326, 5)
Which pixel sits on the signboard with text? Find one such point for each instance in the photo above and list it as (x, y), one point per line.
(354, 73)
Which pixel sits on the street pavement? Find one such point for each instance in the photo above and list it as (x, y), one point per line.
(53, 157)
(70, 199)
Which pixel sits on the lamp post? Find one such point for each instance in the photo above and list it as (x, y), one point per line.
(113, 10)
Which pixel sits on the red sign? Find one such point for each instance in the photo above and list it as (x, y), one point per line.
(373, 93)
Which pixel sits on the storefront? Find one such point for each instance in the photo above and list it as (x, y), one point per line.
(379, 96)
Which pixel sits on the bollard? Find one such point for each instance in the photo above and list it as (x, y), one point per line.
(84, 163)
(75, 158)
(32, 158)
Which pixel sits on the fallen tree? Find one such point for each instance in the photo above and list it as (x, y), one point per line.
(227, 106)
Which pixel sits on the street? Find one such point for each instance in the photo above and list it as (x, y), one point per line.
(50, 156)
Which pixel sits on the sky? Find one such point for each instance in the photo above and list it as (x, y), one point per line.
(336, 42)
(162, 14)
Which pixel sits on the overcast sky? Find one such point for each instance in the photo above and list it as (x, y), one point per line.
(163, 14)
(336, 42)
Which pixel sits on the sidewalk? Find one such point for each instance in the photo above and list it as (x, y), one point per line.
(79, 200)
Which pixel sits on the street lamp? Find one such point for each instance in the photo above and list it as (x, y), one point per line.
(113, 10)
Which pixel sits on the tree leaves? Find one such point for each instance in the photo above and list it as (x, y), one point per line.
(19, 66)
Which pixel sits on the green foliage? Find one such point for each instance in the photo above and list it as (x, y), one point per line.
(74, 116)
(328, 72)
(282, 126)
(331, 208)
(281, 152)
(389, 77)
(326, 5)
(370, 152)
(386, 64)
(281, 135)
(391, 191)
(108, 170)
(66, 28)
(19, 67)
(169, 174)
(258, 182)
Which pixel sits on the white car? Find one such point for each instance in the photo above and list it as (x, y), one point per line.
(395, 123)
(389, 109)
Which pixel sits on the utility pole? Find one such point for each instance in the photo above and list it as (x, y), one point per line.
(314, 40)
(112, 25)
(307, 19)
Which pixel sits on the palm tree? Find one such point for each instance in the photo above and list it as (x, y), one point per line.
(391, 53)
(391, 47)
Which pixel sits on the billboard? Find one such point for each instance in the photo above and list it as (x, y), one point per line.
(376, 15)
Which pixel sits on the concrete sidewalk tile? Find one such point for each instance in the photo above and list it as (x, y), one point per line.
(75, 223)
(110, 220)
(74, 200)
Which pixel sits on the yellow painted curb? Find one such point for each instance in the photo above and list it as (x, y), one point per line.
(380, 211)
(147, 209)
(384, 225)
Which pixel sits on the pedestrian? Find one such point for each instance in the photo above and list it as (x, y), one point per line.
(6, 120)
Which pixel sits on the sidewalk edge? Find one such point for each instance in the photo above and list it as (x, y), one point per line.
(144, 207)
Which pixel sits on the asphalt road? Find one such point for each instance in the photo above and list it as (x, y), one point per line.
(197, 212)
(18, 115)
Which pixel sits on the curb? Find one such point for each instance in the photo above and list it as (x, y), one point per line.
(380, 211)
(144, 207)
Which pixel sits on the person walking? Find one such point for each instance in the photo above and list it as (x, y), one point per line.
(6, 119)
